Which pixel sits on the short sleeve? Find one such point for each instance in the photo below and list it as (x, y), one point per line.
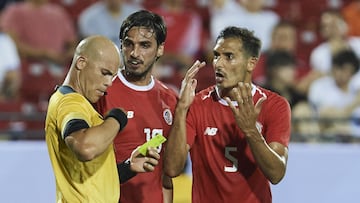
(72, 107)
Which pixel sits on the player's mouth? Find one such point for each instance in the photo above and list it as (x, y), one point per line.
(134, 64)
(219, 77)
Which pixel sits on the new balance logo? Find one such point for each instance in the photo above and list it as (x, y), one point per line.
(210, 131)
(130, 114)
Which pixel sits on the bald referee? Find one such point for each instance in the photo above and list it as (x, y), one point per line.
(79, 140)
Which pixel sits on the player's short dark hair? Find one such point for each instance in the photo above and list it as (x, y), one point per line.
(346, 56)
(251, 44)
(148, 19)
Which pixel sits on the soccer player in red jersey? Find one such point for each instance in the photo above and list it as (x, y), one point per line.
(237, 133)
(148, 102)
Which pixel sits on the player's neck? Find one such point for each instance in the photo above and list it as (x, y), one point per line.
(139, 80)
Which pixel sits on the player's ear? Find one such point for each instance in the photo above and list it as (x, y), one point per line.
(160, 50)
(252, 63)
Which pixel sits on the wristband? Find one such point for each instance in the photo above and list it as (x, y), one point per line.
(125, 173)
(119, 115)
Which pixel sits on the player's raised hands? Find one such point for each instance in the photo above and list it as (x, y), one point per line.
(188, 85)
(245, 112)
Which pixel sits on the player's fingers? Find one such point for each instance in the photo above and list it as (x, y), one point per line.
(236, 94)
(245, 92)
(193, 84)
(194, 69)
(248, 90)
(191, 70)
(197, 68)
(242, 91)
(248, 93)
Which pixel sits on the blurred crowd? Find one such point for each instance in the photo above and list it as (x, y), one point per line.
(310, 53)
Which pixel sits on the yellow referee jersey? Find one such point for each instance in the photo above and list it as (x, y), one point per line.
(93, 181)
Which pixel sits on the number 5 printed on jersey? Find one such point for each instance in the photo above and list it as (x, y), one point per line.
(231, 158)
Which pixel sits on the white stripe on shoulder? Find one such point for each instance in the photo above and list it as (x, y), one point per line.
(207, 96)
(256, 88)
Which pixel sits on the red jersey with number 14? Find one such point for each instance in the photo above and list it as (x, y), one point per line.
(224, 169)
(150, 112)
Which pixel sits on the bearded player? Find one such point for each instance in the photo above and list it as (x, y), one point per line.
(149, 103)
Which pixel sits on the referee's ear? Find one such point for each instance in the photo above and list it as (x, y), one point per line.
(81, 63)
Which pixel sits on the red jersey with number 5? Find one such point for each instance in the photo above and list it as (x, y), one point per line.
(223, 167)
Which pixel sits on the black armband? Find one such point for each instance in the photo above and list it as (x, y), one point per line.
(73, 126)
(125, 173)
(119, 115)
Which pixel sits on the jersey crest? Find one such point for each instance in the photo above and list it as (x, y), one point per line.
(168, 117)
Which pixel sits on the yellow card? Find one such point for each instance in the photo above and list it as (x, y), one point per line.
(153, 142)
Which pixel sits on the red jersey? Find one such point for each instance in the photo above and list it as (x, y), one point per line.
(150, 111)
(223, 167)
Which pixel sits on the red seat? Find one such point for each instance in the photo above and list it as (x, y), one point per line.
(75, 7)
(21, 120)
(37, 82)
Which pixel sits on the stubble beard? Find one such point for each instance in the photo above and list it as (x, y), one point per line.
(136, 76)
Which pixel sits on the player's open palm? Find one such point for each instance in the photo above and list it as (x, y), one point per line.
(245, 112)
(188, 85)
